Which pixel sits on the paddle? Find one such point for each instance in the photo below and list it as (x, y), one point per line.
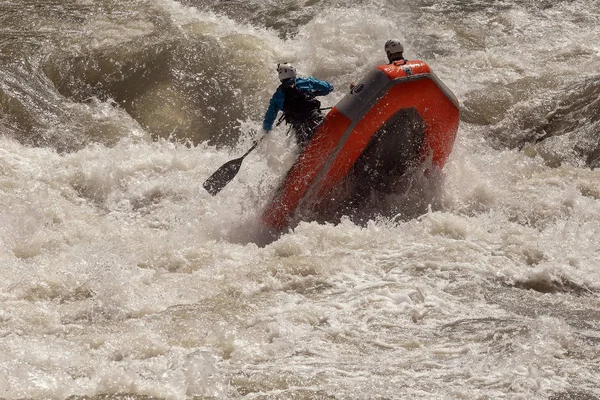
(221, 177)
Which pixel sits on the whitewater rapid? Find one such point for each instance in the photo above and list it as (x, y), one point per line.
(123, 278)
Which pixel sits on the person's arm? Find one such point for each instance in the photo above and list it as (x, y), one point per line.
(314, 86)
(275, 105)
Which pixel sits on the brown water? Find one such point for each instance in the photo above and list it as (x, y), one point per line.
(123, 279)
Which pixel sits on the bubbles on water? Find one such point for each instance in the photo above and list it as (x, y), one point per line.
(123, 278)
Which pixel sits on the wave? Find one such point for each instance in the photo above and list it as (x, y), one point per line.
(191, 80)
(555, 118)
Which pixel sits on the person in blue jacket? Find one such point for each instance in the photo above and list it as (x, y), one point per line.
(295, 97)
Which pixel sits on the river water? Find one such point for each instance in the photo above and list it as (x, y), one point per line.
(122, 278)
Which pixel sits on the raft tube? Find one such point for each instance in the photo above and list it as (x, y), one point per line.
(398, 113)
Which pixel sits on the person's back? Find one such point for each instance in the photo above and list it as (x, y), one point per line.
(299, 106)
(295, 97)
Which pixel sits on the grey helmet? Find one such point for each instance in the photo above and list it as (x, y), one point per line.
(286, 71)
(393, 48)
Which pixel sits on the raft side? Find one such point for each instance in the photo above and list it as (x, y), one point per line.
(304, 171)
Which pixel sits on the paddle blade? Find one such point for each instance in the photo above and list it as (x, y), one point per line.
(221, 177)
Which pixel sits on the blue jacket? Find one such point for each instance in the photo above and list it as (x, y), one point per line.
(310, 85)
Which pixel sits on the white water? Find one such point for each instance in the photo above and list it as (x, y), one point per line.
(122, 277)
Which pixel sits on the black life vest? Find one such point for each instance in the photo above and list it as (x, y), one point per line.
(298, 107)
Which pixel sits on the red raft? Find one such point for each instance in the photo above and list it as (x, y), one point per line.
(398, 114)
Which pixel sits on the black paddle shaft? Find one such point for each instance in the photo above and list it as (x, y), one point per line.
(221, 177)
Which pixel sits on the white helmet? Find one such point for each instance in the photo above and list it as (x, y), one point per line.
(286, 71)
(393, 46)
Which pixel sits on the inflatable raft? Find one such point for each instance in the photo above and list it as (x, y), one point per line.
(399, 114)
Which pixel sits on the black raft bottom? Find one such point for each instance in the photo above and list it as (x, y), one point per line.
(394, 148)
(392, 153)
